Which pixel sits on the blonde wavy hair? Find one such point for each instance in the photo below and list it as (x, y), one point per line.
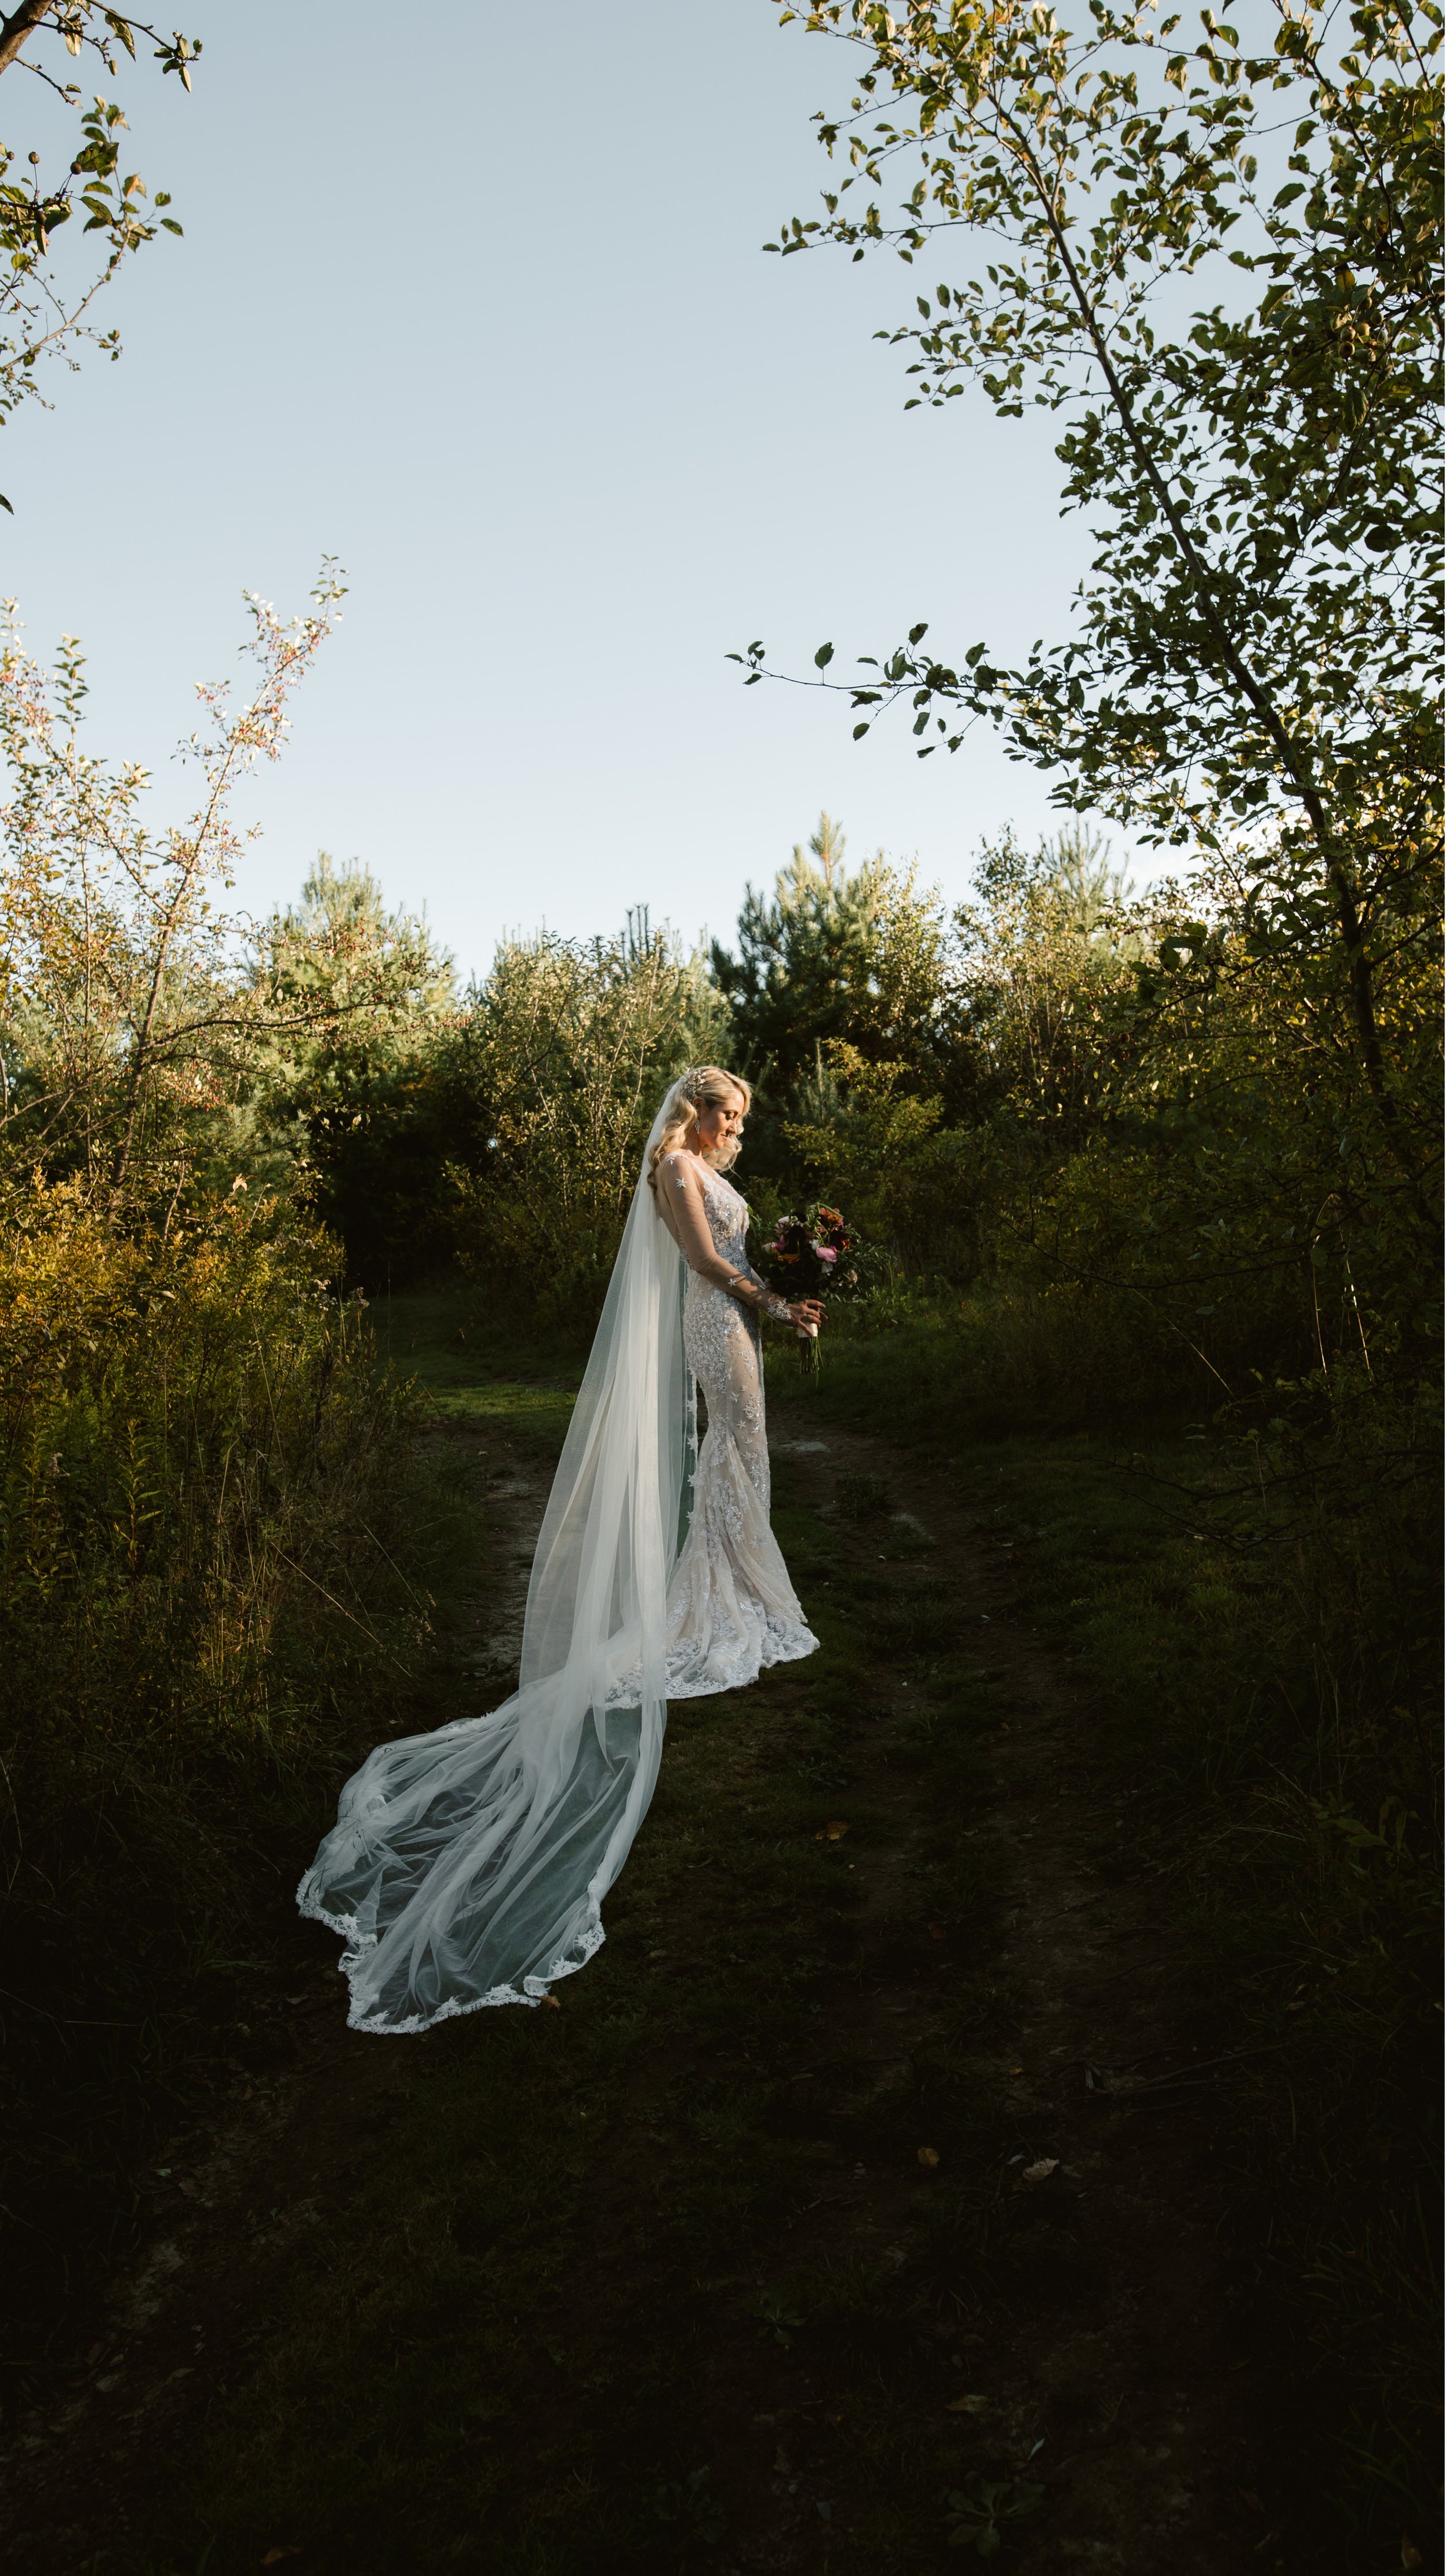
(705, 1086)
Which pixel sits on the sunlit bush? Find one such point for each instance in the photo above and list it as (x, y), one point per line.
(204, 1496)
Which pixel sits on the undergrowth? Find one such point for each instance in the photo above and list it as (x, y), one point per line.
(1251, 1589)
(575, 2271)
(219, 1545)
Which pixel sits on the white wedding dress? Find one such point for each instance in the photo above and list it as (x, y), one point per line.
(732, 1609)
(468, 1867)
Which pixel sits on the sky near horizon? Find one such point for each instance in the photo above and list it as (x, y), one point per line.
(485, 315)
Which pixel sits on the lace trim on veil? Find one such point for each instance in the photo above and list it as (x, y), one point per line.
(588, 1942)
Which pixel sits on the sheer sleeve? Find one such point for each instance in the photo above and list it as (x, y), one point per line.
(777, 1308)
(681, 1204)
(682, 1194)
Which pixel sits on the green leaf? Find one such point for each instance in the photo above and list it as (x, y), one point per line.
(825, 653)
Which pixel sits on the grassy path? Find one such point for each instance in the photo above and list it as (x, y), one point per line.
(859, 2202)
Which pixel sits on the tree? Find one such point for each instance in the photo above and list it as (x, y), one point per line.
(1048, 952)
(551, 1079)
(354, 998)
(844, 953)
(124, 1019)
(44, 311)
(1088, 888)
(1254, 670)
(340, 951)
(869, 1134)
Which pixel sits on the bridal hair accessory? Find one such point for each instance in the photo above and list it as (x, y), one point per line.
(704, 1081)
(695, 1084)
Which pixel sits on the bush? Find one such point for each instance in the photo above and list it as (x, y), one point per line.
(206, 1491)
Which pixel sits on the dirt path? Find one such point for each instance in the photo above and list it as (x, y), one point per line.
(980, 2295)
(1117, 2353)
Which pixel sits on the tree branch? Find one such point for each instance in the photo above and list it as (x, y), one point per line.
(22, 22)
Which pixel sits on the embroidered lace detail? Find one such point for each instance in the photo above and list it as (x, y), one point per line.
(732, 1609)
(366, 2014)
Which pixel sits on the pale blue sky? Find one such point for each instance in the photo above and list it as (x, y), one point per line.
(484, 313)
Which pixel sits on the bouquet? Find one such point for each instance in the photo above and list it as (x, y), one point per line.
(809, 1256)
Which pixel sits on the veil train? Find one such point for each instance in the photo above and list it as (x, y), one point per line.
(468, 1867)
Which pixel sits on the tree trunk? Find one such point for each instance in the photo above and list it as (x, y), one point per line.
(22, 22)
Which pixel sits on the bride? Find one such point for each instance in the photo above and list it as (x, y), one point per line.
(468, 1867)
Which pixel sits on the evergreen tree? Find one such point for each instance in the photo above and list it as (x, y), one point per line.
(341, 945)
(1089, 889)
(836, 952)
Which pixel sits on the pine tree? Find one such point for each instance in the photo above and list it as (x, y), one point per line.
(1079, 865)
(341, 942)
(835, 952)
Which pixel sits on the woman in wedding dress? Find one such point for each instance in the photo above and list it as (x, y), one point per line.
(731, 1607)
(468, 1867)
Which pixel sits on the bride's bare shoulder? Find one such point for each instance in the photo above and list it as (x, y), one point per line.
(680, 1167)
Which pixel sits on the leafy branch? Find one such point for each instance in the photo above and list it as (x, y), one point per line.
(44, 309)
(1255, 656)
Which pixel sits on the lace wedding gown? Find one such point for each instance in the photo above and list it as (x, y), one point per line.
(732, 1610)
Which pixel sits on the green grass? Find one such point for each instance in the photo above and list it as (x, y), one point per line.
(580, 2266)
(1265, 1668)
(242, 1586)
(474, 1374)
(472, 1366)
(581, 2262)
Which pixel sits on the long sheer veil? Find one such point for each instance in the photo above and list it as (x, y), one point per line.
(468, 1867)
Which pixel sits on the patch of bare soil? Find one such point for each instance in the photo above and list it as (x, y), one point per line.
(1104, 2366)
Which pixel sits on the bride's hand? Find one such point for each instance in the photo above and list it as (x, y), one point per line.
(808, 1312)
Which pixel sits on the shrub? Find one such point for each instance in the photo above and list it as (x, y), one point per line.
(206, 1494)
